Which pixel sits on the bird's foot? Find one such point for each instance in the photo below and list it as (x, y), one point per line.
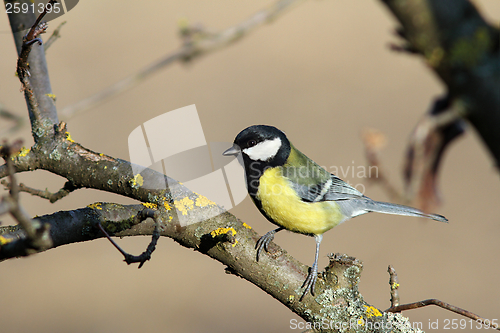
(310, 281)
(265, 240)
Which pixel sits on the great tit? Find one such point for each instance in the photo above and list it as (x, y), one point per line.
(296, 194)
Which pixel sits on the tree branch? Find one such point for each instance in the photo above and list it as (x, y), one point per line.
(279, 274)
(222, 237)
(464, 51)
(55, 36)
(196, 44)
(36, 86)
(37, 234)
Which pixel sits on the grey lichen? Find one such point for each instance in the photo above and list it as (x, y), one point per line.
(39, 132)
(352, 274)
(55, 155)
(400, 323)
(342, 307)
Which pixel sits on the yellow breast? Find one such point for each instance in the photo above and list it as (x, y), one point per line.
(282, 204)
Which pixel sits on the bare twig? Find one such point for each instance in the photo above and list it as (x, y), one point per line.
(446, 306)
(188, 51)
(38, 234)
(146, 255)
(431, 137)
(55, 35)
(436, 130)
(394, 283)
(52, 197)
(396, 307)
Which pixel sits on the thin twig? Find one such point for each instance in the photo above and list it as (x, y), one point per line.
(426, 148)
(55, 35)
(443, 305)
(146, 255)
(396, 308)
(38, 235)
(394, 283)
(187, 52)
(52, 197)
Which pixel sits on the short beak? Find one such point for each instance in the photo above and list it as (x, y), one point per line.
(234, 150)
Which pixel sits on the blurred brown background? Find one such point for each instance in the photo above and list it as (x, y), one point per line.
(322, 73)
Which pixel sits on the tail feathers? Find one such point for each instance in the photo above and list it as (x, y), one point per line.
(388, 208)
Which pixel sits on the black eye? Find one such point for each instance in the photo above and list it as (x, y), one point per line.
(251, 143)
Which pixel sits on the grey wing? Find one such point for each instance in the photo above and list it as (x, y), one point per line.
(332, 189)
(352, 202)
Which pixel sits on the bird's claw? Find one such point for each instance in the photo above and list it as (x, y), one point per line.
(263, 242)
(310, 282)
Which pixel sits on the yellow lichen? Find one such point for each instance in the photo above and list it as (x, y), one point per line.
(68, 137)
(203, 201)
(150, 205)
(184, 205)
(4, 240)
(53, 96)
(96, 205)
(394, 285)
(137, 181)
(23, 152)
(222, 231)
(167, 206)
(372, 311)
(246, 226)
(361, 322)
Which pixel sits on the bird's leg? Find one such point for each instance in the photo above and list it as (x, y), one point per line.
(264, 241)
(310, 281)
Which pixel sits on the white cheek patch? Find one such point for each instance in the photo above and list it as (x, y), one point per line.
(264, 150)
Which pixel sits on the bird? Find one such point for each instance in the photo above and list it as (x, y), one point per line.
(296, 194)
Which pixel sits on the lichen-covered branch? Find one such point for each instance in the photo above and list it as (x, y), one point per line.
(338, 301)
(193, 220)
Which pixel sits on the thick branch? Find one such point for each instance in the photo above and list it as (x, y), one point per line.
(464, 51)
(277, 273)
(39, 79)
